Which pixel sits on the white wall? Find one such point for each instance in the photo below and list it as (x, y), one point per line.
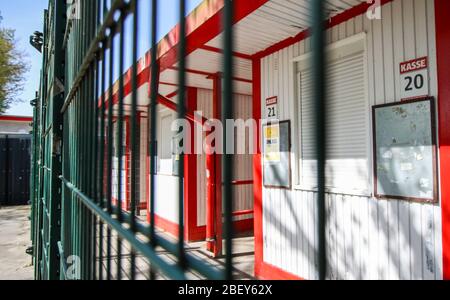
(367, 238)
(166, 201)
(115, 166)
(11, 127)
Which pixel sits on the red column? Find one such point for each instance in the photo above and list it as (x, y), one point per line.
(214, 192)
(210, 200)
(442, 12)
(190, 178)
(217, 112)
(257, 167)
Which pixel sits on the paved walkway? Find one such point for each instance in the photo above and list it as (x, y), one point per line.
(243, 258)
(15, 264)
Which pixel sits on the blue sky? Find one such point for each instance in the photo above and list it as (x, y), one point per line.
(26, 16)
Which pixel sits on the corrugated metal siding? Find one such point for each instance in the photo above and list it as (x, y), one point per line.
(367, 238)
(243, 163)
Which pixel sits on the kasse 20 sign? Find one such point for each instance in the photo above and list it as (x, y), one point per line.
(414, 78)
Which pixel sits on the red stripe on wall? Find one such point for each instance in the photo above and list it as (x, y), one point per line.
(198, 233)
(442, 12)
(269, 272)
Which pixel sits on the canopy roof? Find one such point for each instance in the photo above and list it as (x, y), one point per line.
(260, 26)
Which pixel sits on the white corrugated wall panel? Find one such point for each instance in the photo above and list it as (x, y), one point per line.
(243, 163)
(367, 238)
(166, 187)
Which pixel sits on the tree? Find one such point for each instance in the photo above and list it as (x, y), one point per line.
(12, 69)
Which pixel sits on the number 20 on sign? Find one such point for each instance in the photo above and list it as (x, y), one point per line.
(414, 78)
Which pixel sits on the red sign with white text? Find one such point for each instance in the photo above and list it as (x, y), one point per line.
(414, 79)
(414, 65)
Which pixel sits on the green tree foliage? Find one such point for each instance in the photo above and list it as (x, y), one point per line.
(12, 69)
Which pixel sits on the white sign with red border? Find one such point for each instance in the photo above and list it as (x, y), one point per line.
(272, 108)
(414, 78)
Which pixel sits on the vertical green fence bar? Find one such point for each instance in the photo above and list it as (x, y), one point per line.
(133, 140)
(152, 114)
(319, 88)
(37, 201)
(228, 114)
(181, 115)
(120, 137)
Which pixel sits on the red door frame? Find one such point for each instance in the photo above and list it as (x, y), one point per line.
(193, 232)
(442, 15)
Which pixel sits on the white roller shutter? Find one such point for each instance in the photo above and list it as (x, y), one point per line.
(347, 126)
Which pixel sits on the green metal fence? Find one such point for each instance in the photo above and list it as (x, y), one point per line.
(75, 221)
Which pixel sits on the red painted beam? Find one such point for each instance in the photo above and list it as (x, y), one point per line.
(173, 94)
(209, 75)
(174, 107)
(220, 51)
(442, 12)
(242, 182)
(16, 119)
(208, 30)
(242, 213)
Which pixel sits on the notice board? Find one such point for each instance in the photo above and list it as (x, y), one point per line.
(277, 154)
(405, 151)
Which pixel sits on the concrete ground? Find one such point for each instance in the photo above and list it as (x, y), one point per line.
(15, 264)
(243, 261)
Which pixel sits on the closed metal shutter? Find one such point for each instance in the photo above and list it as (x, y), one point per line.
(347, 127)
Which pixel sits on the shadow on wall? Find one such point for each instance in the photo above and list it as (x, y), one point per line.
(367, 238)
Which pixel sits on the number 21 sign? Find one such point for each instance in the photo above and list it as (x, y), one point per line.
(272, 108)
(414, 78)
